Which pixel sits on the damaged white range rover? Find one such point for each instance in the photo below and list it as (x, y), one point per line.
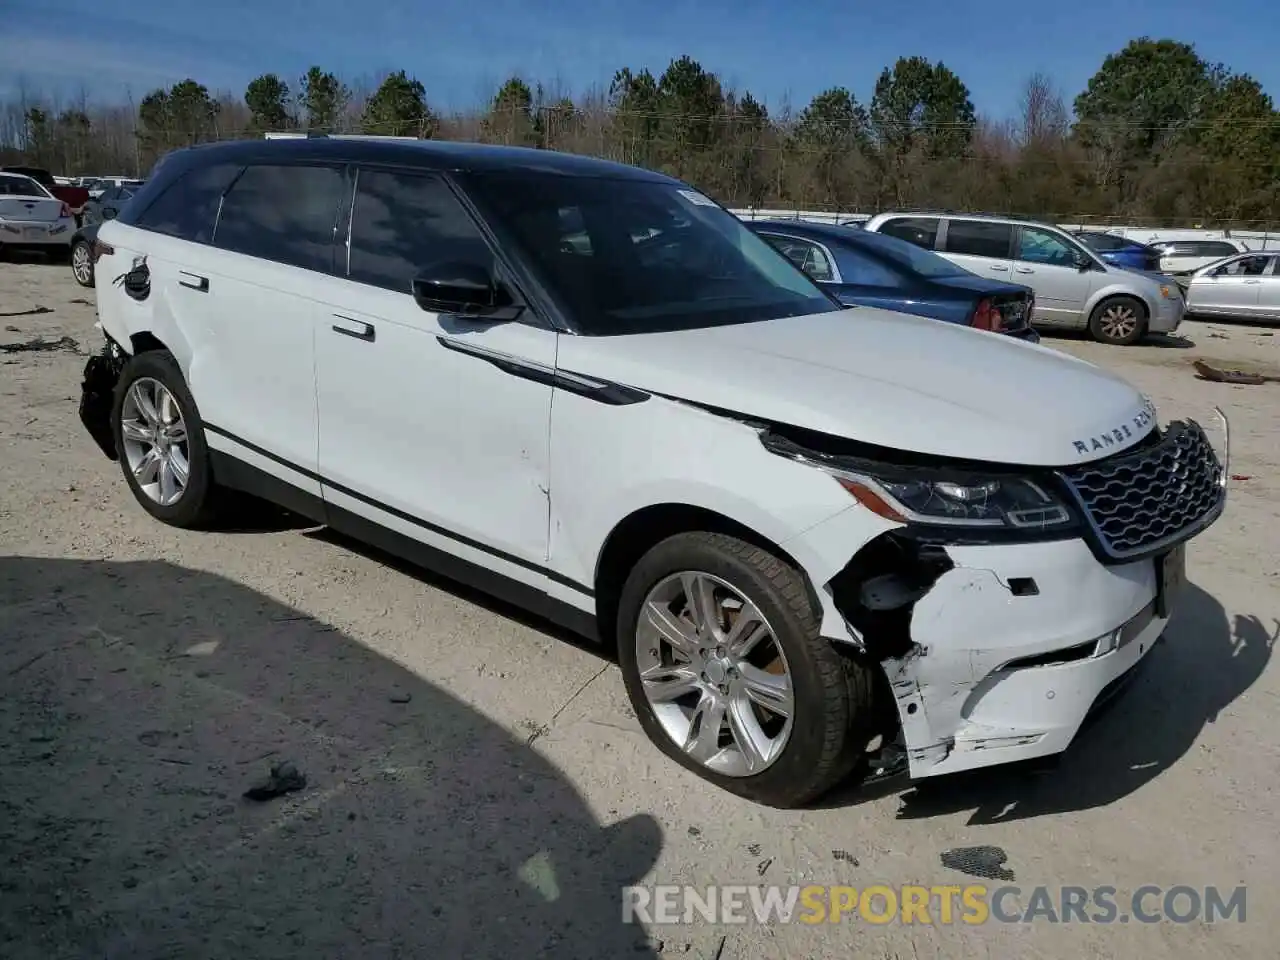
(819, 537)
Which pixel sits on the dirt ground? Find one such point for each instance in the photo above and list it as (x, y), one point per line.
(477, 786)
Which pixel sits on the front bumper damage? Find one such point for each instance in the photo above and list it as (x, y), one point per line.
(1012, 647)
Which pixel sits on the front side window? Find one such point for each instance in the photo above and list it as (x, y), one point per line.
(283, 213)
(188, 207)
(979, 238)
(404, 223)
(1042, 246)
(642, 255)
(1245, 267)
(918, 231)
(805, 254)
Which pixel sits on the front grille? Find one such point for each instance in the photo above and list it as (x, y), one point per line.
(1142, 501)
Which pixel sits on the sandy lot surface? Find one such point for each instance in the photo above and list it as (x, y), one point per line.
(477, 785)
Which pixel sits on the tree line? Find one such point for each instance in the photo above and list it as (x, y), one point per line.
(1159, 135)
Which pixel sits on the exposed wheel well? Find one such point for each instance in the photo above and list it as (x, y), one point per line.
(646, 528)
(142, 342)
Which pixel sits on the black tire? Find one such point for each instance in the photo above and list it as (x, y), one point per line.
(832, 693)
(196, 507)
(1101, 327)
(88, 249)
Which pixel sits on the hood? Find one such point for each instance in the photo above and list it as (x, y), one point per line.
(885, 378)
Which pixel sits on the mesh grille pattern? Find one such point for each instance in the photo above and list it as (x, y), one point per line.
(1141, 501)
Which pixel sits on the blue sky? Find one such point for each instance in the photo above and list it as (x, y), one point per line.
(461, 49)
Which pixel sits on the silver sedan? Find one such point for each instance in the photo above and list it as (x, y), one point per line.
(1246, 286)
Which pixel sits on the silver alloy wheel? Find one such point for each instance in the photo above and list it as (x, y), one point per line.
(714, 674)
(1119, 321)
(81, 265)
(154, 436)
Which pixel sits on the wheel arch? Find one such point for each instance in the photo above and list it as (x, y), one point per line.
(644, 528)
(1111, 292)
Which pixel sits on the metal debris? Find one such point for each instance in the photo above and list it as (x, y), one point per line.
(986, 862)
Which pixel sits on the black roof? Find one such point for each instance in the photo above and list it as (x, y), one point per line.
(424, 154)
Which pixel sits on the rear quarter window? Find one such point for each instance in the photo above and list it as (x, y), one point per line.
(921, 231)
(284, 213)
(188, 207)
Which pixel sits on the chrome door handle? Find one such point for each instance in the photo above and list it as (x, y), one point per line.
(1024, 269)
(364, 331)
(193, 281)
(997, 266)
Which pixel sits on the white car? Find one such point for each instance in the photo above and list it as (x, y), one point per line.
(31, 218)
(822, 539)
(1182, 258)
(1075, 288)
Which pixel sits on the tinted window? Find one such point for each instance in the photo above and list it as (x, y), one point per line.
(657, 256)
(1213, 248)
(858, 266)
(805, 254)
(1042, 246)
(283, 213)
(403, 223)
(921, 231)
(909, 257)
(978, 238)
(188, 207)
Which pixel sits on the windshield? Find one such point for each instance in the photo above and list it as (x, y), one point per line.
(635, 256)
(1104, 241)
(12, 186)
(922, 263)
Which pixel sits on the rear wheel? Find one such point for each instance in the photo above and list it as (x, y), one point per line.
(82, 263)
(1119, 321)
(160, 439)
(724, 665)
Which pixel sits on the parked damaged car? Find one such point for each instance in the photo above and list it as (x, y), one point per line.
(823, 541)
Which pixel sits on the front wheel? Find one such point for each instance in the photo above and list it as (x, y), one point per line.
(1119, 321)
(728, 674)
(160, 440)
(82, 263)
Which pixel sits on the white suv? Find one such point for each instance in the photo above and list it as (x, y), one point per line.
(1075, 288)
(823, 540)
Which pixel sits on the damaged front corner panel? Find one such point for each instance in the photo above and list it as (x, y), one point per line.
(878, 589)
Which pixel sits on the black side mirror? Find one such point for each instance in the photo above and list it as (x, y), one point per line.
(464, 289)
(1082, 262)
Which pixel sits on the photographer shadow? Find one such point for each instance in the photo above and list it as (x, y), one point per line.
(140, 701)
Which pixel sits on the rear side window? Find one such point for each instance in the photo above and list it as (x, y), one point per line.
(188, 207)
(979, 238)
(1213, 248)
(403, 223)
(805, 254)
(922, 231)
(283, 213)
